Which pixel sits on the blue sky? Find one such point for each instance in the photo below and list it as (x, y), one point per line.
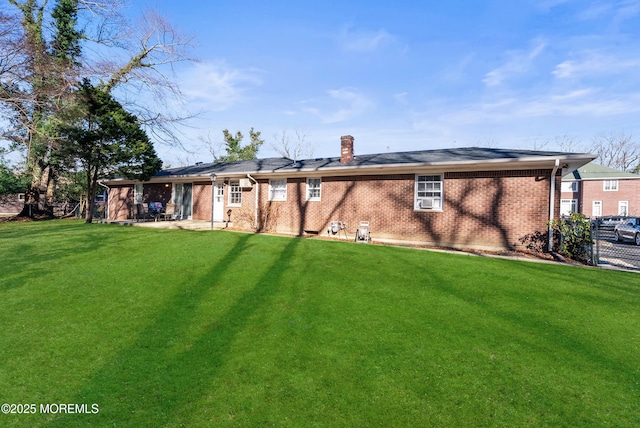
(409, 75)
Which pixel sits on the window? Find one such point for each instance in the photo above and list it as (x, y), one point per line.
(569, 186)
(137, 194)
(623, 208)
(278, 190)
(568, 206)
(313, 189)
(610, 185)
(428, 192)
(21, 196)
(596, 209)
(235, 193)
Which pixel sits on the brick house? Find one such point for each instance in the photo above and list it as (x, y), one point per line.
(596, 190)
(11, 204)
(466, 198)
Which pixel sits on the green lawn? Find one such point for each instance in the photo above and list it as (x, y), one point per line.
(183, 328)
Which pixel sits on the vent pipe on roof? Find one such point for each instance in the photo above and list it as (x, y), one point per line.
(346, 149)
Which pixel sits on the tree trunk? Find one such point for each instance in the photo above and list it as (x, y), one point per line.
(92, 184)
(51, 190)
(32, 194)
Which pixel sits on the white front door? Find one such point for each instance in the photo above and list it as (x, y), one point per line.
(218, 202)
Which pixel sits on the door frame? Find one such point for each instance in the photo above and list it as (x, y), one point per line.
(218, 204)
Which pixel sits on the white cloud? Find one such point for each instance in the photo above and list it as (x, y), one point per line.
(593, 63)
(547, 5)
(595, 11)
(218, 86)
(628, 9)
(365, 41)
(340, 105)
(518, 62)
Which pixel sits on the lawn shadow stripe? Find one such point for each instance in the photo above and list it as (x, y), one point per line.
(138, 385)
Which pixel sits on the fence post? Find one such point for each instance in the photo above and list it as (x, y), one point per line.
(595, 237)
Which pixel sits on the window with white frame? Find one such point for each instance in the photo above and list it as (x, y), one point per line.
(569, 186)
(428, 192)
(235, 193)
(278, 190)
(610, 185)
(623, 208)
(313, 189)
(568, 206)
(137, 193)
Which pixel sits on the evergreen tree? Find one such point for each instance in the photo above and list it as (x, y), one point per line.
(236, 151)
(107, 140)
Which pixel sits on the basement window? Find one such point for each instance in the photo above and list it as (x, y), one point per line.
(428, 193)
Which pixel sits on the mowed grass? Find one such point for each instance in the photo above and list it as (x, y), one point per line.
(183, 328)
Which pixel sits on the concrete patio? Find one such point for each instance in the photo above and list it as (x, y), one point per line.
(174, 224)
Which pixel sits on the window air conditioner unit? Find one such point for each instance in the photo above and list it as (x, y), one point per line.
(245, 183)
(425, 204)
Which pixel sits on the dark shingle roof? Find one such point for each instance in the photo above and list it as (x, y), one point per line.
(247, 166)
(469, 155)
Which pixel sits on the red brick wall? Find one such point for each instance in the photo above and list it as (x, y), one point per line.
(121, 199)
(121, 202)
(628, 190)
(481, 209)
(202, 201)
(487, 209)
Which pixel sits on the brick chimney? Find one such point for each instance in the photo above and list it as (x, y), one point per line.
(346, 149)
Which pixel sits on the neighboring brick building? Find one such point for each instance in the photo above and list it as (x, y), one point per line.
(466, 198)
(595, 190)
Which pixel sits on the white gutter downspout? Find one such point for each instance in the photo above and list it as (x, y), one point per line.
(213, 197)
(107, 208)
(552, 202)
(257, 211)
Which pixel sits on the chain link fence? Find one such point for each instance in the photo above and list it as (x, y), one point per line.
(615, 249)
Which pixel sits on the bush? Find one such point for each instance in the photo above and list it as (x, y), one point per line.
(575, 236)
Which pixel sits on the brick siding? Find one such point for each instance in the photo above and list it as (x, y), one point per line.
(593, 190)
(493, 209)
(488, 209)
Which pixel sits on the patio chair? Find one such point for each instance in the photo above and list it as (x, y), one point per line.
(169, 212)
(142, 212)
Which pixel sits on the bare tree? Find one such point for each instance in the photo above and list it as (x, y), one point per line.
(35, 82)
(215, 148)
(142, 75)
(293, 148)
(617, 150)
(38, 76)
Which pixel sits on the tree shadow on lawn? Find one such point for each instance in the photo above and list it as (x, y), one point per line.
(30, 252)
(145, 384)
